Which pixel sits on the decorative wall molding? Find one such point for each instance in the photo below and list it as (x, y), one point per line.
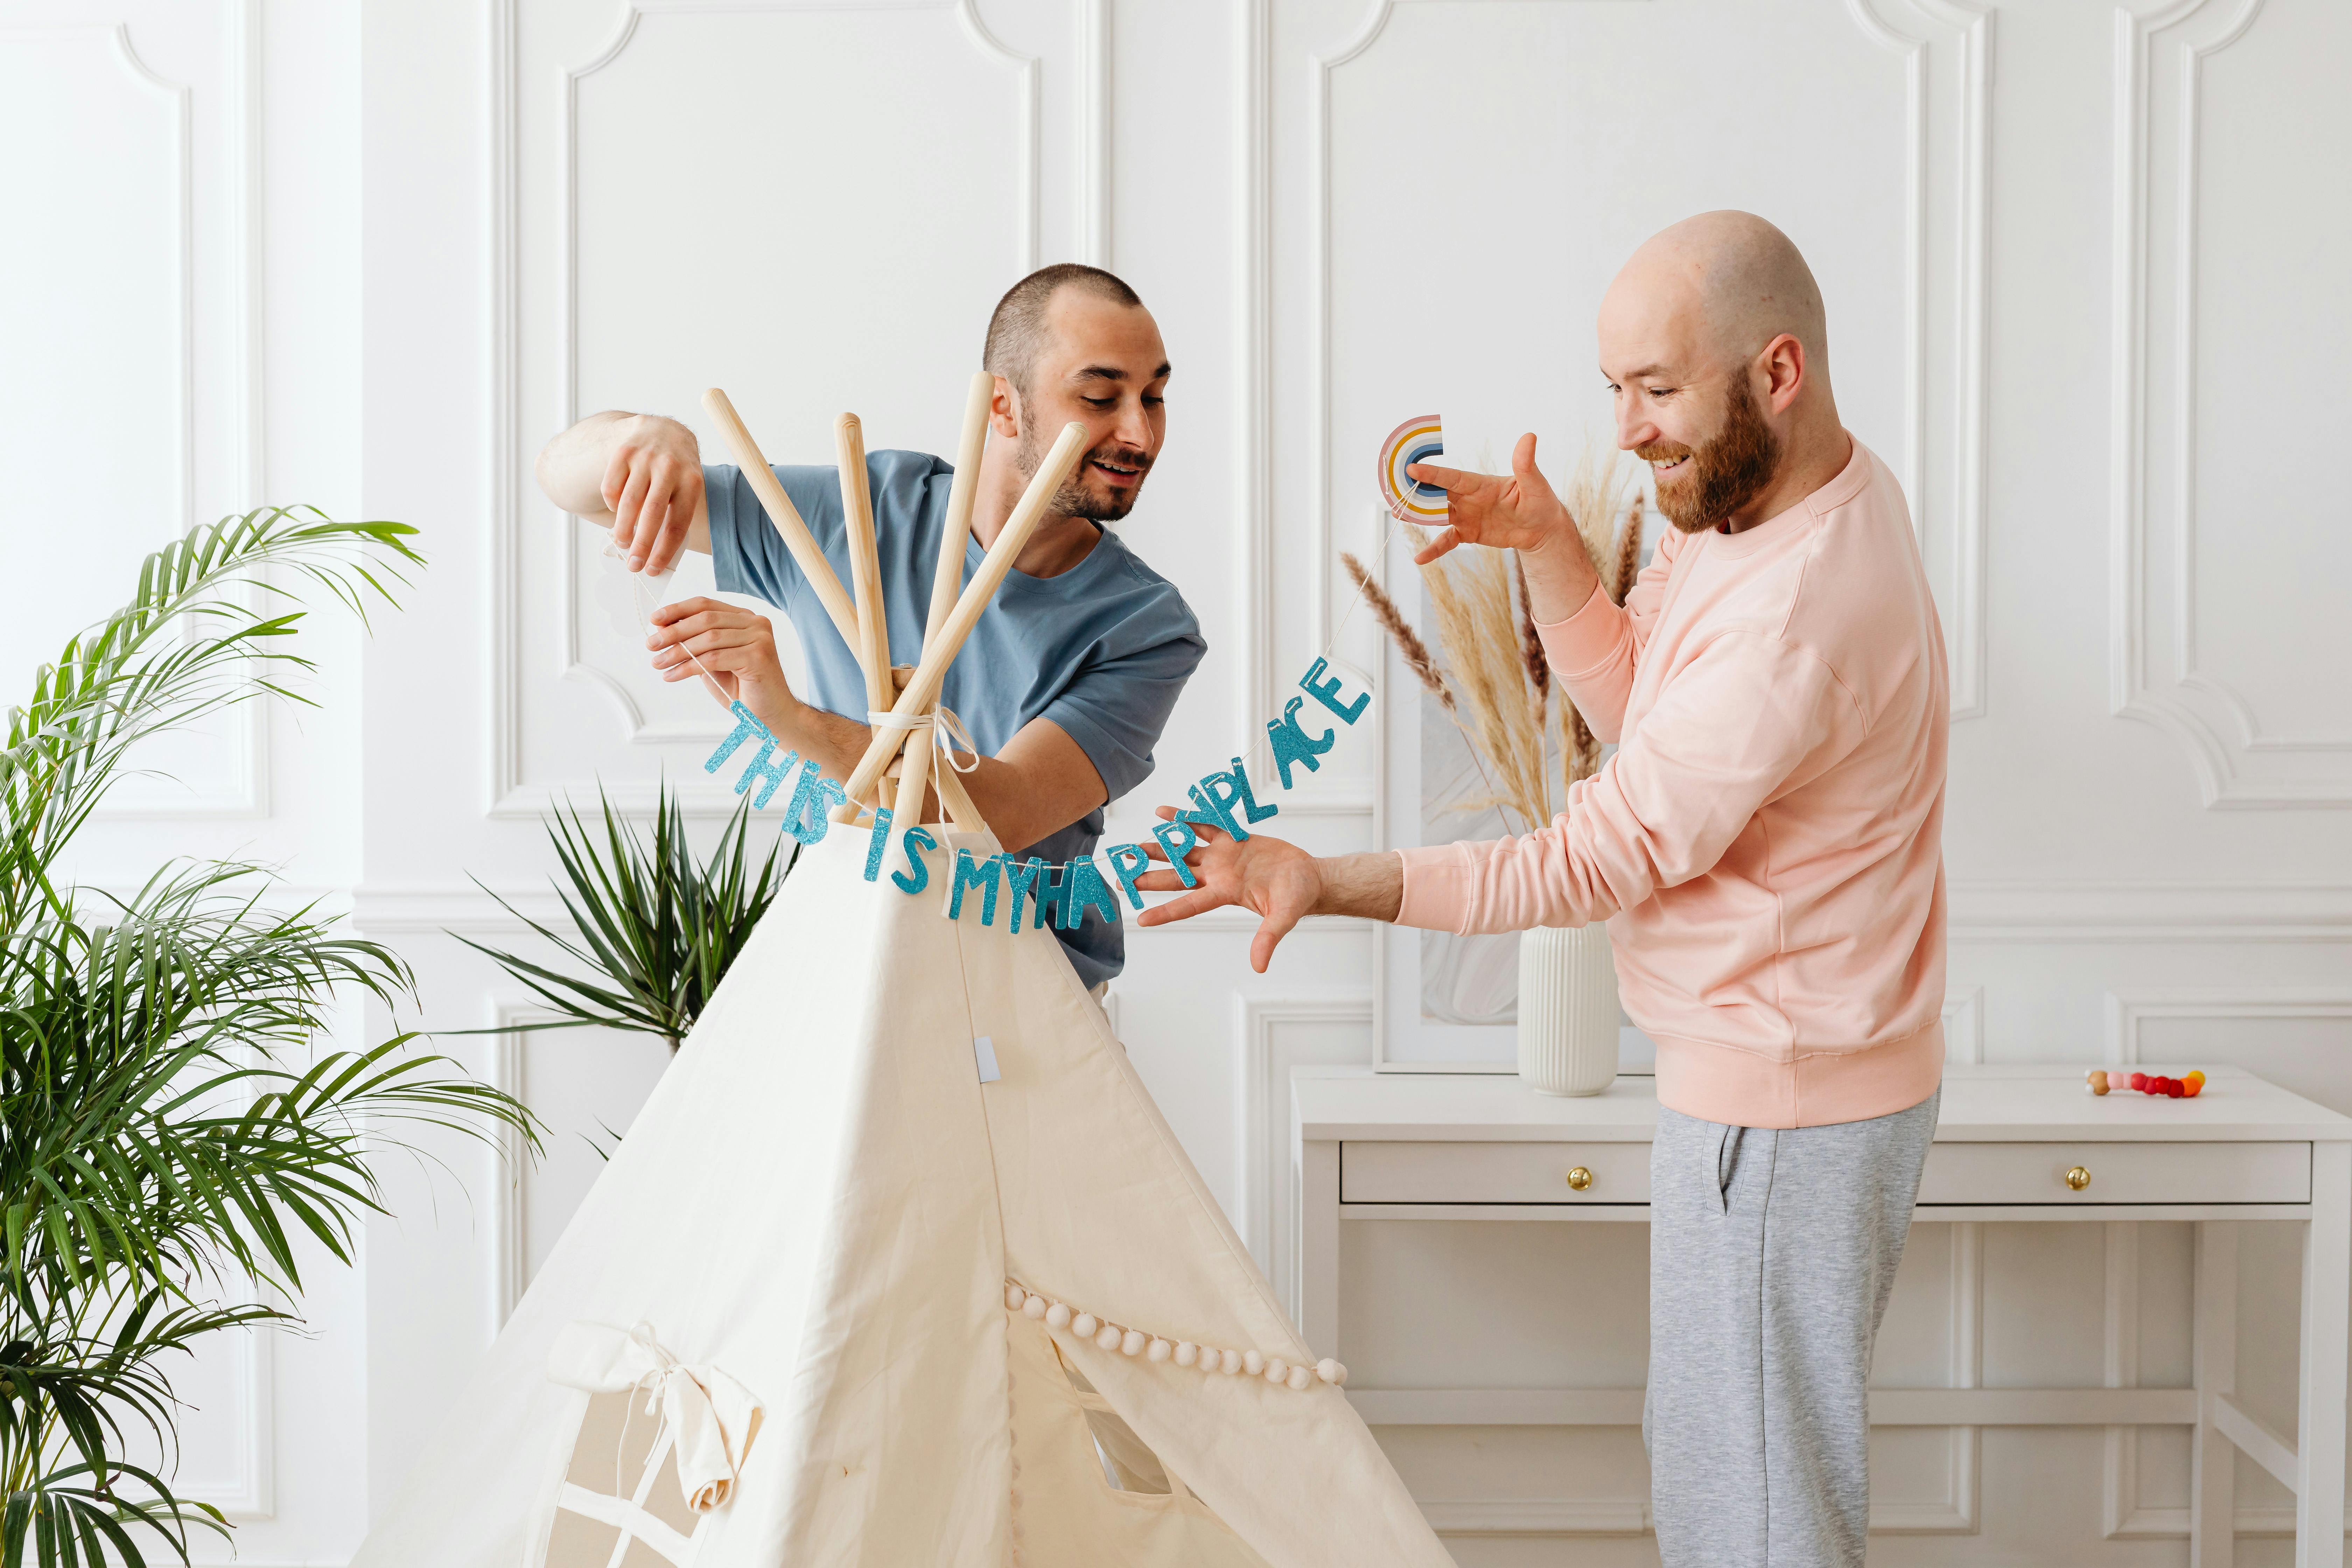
(1094, 133)
(1988, 913)
(2127, 1010)
(1254, 566)
(1966, 30)
(244, 794)
(501, 424)
(2123, 1517)
(433, 908)
(2154, 671)
(1958, 1512)
(2168, 913)
(251, 1496)
(1964, 1024)
(1960, 27)
(506, 1267)
(508, 795)
(1268, 1216)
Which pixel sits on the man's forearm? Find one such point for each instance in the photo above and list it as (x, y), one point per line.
(1369, 885)
(572, 465)
(1560, 575)
(1018, 807)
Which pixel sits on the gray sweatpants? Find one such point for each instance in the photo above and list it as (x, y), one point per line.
(1771, 1255)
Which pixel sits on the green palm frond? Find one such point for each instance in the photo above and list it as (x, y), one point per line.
(170, 1136)
(184, 648)
(653, 931)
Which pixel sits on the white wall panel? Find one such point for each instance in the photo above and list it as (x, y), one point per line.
(740, 199)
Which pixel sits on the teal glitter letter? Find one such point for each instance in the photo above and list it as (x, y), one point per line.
(1083, 888)
(1291, 743)
(747, 724)
(1021, 879)
(1128, 861)
(1168, 832)
(969, 874)
(1327, 693)
(916, 838)
(814, 799)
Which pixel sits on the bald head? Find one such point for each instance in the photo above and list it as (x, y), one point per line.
(1734, 282)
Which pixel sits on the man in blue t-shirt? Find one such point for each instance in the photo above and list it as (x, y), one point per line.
(1074, 667)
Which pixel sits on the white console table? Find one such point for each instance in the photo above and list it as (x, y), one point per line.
(2013, 1144)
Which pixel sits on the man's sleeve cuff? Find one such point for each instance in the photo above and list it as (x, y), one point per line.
(1437, 878)
(1586, 639)
(726, 554)
(1119, 769)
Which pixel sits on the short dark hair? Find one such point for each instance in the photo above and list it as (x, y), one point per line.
(1016, 330)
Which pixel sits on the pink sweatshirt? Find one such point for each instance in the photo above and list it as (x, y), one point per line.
(1765, 843)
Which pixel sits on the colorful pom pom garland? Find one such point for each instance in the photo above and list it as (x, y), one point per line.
(1061, 1315)
(2188, 1086)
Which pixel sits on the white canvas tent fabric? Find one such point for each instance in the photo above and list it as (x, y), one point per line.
(800, 1256)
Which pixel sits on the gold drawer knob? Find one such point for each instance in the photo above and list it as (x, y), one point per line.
(1579, 1179)
(2078, 1178)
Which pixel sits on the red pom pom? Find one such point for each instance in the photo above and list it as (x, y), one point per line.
(2174, 1089)
(2140, 1080)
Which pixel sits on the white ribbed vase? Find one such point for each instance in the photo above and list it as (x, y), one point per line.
(1567, 1009)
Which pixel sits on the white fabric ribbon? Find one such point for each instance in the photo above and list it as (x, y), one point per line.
(945, 727)
(713, 1416)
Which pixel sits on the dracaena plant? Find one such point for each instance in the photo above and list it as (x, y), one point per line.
(653, 929)
(172, 1137)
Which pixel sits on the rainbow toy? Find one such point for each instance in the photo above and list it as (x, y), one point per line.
(1417, 440)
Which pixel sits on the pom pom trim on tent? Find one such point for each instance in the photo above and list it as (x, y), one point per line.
(1082, 1324)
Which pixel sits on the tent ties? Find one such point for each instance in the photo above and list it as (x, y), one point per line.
(945, 727)
(1063, 1317)
(710, 1418)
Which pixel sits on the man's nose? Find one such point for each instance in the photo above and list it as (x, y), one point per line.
(1634, 428)
(1133, 427)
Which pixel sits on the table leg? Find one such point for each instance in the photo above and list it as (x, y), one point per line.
(2326, 1326)
(1319, 1245)
(2213, 1458)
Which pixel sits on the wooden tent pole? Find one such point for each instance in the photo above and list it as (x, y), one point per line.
(946, 581)
(873, 645)
(923, 687)
(785, 516)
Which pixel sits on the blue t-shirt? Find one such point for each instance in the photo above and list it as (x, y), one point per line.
(1102, 651)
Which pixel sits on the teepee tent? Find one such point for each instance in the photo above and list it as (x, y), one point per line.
(900, 1264)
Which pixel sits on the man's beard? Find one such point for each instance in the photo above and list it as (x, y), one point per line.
(1727, 473)
(1074, 500)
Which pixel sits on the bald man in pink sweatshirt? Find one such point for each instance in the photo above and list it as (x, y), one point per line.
(1766, 845)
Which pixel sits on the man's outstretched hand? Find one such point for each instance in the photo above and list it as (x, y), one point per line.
(1280, 882)
(1516, 511)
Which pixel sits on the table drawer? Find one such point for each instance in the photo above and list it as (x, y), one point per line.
(2118, 1173)
(1385, 1172)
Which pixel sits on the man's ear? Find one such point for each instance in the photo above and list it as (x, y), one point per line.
(1005, 410)
(1783, 365)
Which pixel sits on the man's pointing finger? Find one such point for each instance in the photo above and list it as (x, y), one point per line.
(1448, 480)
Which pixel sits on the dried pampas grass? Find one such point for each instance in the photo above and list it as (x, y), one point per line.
(1495, 683)
(1629, 553)
(1409, 644)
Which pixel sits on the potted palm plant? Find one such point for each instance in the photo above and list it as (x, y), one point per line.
(169, 1129)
